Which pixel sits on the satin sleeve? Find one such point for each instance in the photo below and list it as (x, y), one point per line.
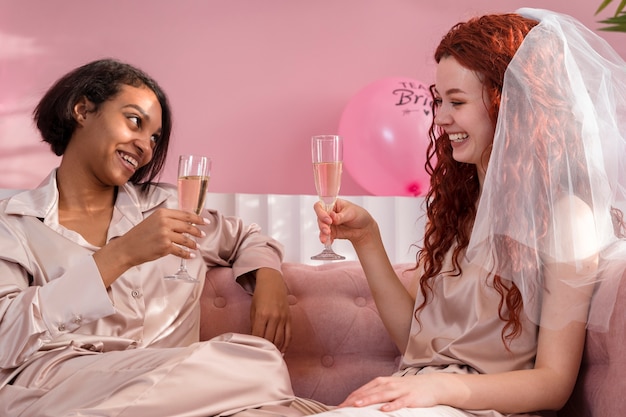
(37, 308)
(230, 242)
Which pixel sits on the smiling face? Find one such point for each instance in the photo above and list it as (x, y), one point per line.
(110, 144)
(461, 111)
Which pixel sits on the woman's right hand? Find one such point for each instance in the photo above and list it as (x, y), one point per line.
(164, 232)
(346, 221)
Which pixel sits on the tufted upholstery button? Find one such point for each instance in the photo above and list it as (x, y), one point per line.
(135, 294)
(360, 301)
(335, 323)
(328, 361)
(219, 302)
(61, 327)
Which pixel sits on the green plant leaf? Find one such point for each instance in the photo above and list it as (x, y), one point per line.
(603, 6)
(619, 9)
(616, 24)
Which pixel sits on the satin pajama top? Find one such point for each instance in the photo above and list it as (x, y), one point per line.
(52, 294)
(460, 328)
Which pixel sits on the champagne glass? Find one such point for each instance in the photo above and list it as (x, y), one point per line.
(193, 181)
(327, 153)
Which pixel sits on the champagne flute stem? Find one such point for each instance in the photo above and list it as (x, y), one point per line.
(183, 265)
(329, 242)
(183, 262)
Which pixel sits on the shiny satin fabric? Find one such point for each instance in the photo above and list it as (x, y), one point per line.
(437, 411)
(459, 332)
(461, 326)
(223, 376)
(52, 296)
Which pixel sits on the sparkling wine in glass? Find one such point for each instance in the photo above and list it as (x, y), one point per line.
(193, 182)
(327, 154)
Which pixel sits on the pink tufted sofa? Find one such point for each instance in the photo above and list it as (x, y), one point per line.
(340, 343)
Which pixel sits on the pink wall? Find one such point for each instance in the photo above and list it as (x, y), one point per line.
(249, 80)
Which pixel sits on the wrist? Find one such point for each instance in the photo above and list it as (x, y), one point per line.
(111, 262)
(369, 239)
(450, 390)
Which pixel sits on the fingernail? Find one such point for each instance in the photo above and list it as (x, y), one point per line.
(192, 255)
(206, 221)
(202, 233)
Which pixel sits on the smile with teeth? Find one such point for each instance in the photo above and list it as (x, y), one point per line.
(457, 137)
(132, 161)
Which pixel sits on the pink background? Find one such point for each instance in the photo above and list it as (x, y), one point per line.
(249, 80)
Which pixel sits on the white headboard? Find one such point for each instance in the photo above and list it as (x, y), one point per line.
(290, 219)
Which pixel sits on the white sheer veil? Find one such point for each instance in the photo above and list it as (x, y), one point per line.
(560, 138)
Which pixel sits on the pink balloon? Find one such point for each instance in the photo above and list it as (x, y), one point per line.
(385, 130)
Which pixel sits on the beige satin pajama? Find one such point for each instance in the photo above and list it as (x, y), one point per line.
(459, 331)
(221, 376)
(71, 347)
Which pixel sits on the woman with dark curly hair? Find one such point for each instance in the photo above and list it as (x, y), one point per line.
(523, 228)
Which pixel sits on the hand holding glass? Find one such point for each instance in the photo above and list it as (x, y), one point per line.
(193, 181)
(327, 153)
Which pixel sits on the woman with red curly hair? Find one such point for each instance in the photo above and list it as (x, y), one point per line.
(522, 228)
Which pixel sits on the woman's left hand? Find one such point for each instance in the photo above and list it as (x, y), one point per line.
(269, 313)
(396, 392)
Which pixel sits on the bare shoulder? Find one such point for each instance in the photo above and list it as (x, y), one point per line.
(573, 232)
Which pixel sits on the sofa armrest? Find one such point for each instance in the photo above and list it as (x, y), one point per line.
(601, 386)
(338, 340)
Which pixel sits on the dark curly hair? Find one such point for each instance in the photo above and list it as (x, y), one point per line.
(99, 81)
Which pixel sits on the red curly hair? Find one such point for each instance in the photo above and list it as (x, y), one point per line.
(485, 45)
